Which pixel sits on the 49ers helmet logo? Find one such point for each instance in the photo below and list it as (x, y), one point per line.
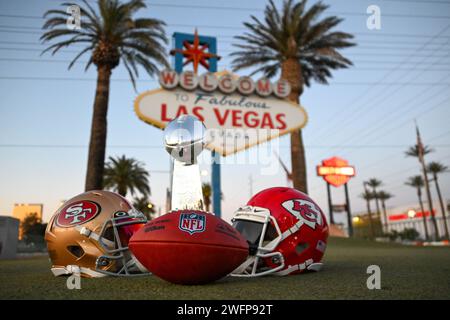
(77, 213)
(305, 211)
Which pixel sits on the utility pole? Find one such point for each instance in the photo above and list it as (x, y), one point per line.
(420, 154)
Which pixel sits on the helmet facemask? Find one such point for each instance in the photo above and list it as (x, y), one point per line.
(122, 225)
(263, 235)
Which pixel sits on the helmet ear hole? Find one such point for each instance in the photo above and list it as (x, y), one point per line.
(301, 247)
(77, 251)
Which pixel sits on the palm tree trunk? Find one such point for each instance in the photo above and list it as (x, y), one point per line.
(291, 71)
(424, 217)
(438, 189)
(430, 200)
(383, 205)
(369, 212)
(377, 204)
(298, 159)
(97, 144)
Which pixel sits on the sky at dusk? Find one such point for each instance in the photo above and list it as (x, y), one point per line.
(365, 115)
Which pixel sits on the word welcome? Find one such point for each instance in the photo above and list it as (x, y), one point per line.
(227, 83)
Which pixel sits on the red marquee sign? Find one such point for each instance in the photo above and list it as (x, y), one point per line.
(406, 216)
(335, 171)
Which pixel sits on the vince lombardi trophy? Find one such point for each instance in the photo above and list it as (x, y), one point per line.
(184, 140)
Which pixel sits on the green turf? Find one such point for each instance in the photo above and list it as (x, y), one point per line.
(406, 273)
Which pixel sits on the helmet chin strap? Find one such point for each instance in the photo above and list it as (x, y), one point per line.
(76, 270)
(308, 265)
(91, 234)
(241, 271)
(315, 266)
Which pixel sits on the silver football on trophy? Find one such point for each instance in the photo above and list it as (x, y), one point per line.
(184, 138)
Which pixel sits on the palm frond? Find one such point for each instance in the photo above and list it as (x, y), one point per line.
(436, 167)
(111, 27)
(82, 52)
(414, 151)
(292, 32)
(415, 181)
(125, 175)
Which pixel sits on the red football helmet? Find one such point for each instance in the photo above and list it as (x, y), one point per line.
(286, 231)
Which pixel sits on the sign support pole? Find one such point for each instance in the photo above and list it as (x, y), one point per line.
(330, 204)
(349, 213)
(215, 181)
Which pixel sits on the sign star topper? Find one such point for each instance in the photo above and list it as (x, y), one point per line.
(196, 50)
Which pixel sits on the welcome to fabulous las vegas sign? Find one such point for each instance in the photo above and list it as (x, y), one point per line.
(237, 111)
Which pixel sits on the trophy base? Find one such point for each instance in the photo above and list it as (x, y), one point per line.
(186, 187)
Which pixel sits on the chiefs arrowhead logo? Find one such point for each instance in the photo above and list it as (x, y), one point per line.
(304, 211)
(77, 213)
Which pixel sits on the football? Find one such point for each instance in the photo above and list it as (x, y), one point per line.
(189, 247)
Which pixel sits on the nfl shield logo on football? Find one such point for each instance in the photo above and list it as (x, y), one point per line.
(192, 222)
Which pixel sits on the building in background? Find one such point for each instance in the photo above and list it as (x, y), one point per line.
(22, 210)
(411, 216)
(399, 218)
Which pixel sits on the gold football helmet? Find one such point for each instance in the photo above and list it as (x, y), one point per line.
(88, 235)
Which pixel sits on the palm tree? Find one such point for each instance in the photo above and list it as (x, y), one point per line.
(144, 205)
(293, 41)
(414, 151)
(436, 168)
(368, 196)
(384, 196)
(207, 192)
(418, 183)
(110, 35)
(374, 184)
(126, 174)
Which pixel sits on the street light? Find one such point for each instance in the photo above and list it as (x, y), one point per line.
(411, 214)
(356, 219)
